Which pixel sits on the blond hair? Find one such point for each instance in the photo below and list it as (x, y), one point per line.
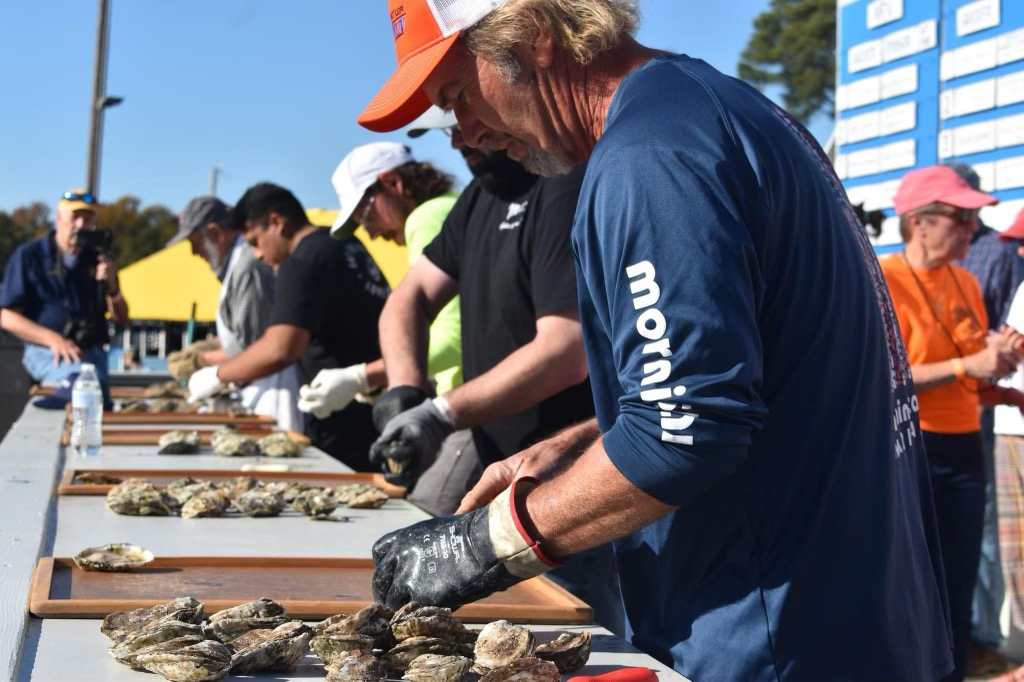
(583, 29)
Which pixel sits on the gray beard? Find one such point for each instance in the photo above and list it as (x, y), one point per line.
(544, 163)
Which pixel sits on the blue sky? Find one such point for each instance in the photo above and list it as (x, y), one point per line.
(266, 90)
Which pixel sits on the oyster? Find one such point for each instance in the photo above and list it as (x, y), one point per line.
(178, 405)
(238, 485)
(371, 499)
(333, 647)
(179, 443)
(316, 502)
(120, 556)
(138, 497)
(263, 614)
(357, 667)
(184, 489)
(372, 621)
(261, 608)
(277, 650)
(96, 477)
(569, 652)
(405, 652)
(165, 389)
(210, 503)
(279, 445)
(434, 668)
(527, 669)
(258, 502)
(117, 626)
(429, 621)
(348, 491)
(230, 443)
(126, 650)
(195, 663)
(500, 643)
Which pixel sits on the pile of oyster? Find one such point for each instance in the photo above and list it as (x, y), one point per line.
(228, 442)
(174, 641)
(171, 396)
(192, 498)
(416, 643)
(179, 443)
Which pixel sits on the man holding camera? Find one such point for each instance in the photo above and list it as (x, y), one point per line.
(58, 291)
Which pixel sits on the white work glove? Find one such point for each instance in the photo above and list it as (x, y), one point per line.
(204, 383)
(332, 390)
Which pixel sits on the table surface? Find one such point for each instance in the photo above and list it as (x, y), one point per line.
(39, 523)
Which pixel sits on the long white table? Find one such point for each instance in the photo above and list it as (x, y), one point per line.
(36, 523)
(146, 457)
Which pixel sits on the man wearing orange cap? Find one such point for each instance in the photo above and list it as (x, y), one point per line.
(755, 456)
(57, 294)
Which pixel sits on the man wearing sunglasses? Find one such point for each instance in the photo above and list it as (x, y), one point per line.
(58, 293)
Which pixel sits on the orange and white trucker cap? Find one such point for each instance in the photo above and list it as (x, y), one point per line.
(424, 32)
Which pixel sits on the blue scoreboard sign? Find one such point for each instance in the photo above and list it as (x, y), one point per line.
(922, 82)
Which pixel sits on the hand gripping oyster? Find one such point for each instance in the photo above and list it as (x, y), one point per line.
(277, 650)
(118, 626)
(209, 503)
(230, 443)
(315, 503)
(334, 647)
(372, 621)
(120, 556)
(279, 445)
(195, 663)
(370, 499)
(357, 667)
(434, 668)
(405, 652)
(127, 650)
(527, 669)
(500, 643)
(569, 652)
(428, 621)
(137, 497)
(179, 443)
(258, 502)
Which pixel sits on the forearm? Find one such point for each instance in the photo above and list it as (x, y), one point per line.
(118, 309)
(568, 517)
(932, 375)
(279, 347)
(403, 329)
(217, 356)
(25, 329)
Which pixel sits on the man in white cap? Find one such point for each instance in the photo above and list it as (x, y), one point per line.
(382, 187)
(753, 458)
(243, 309)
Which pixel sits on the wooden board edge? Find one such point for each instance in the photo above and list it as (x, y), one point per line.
(39, 589)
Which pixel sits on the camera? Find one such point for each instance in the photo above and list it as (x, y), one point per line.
(98, 240)
(86, 333)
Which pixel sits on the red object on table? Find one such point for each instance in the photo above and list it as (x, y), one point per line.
(620, 675)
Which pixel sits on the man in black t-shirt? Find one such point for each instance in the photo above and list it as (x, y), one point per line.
(329, 296)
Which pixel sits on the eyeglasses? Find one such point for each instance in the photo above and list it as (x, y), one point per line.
(84, 197)
(372, 193)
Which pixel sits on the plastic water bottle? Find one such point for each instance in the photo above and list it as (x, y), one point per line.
(86, 412)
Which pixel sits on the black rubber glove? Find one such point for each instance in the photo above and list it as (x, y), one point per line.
(409, 443)
(453, 560)
(394, 401)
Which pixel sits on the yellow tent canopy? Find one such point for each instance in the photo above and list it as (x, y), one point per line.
(164, 285)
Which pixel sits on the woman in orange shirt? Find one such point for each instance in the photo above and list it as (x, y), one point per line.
(953, 358)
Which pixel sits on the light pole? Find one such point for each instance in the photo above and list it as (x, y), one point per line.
(216, 170)
(100, 100)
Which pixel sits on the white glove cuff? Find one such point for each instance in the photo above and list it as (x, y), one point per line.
(442, 405)
(361, 378)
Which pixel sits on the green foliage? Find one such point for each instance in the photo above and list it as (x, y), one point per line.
(794, 46)
(138, 232)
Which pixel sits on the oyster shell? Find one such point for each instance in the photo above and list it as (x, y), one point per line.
(230, 443)
(263, 614)
(500, 643)
(259, 502)
(239, 485)
(316, 502)
(569, 652)
(371, 499)
(349, 491)
(195, 663)
(434, 668)
(164, 631)
(209, 503)
(165, 389)
(279, 445)
(528, 669)
(429, 621)
(138, 497)
(120, 556)
(357, 667)
(117, 626)
(405, 652)
(372, 621)
(333, 647)
(96, 477)
(277, 650)
(261, 608)
(184, 489)
(179, 443)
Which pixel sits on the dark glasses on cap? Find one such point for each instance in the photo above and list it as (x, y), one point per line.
(75, 196)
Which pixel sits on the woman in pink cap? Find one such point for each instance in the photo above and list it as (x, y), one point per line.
(954, 360)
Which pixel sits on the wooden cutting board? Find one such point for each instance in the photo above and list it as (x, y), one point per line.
(115, 436)
(69, 484)
(307, 588)
(184, 418)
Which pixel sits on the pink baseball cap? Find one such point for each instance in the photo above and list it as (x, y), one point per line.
(1015, 231)
(937, 183)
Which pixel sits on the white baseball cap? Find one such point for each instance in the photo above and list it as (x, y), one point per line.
(434, 118)
(358, 171)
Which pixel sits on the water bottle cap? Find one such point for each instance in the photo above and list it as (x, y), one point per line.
(88, 367)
